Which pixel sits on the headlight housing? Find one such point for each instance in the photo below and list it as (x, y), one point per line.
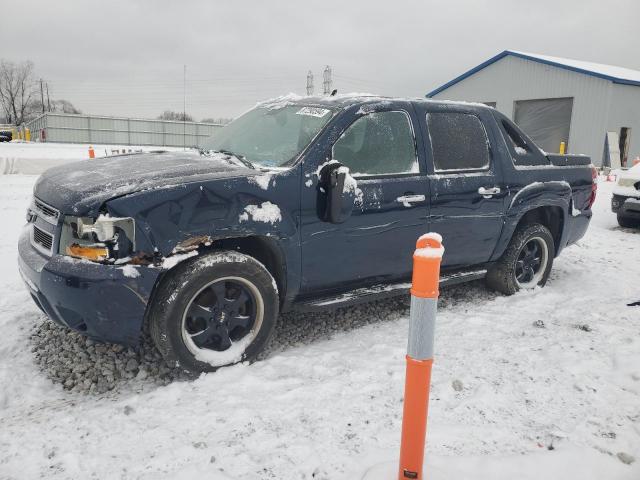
(103, 239)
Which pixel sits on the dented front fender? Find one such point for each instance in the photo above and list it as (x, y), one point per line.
(169, 219)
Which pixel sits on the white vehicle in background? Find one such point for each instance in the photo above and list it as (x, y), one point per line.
(625, 201)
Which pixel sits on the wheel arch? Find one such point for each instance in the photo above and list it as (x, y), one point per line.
(551, 216)
(265, 250)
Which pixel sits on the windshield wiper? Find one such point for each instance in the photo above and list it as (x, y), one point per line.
(241, 158)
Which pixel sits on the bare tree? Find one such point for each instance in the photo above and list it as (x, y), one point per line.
(177, 116)
(221, 120)
(64, 106)
(17, 90)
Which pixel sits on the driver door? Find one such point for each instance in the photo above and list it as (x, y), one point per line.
(375, 244)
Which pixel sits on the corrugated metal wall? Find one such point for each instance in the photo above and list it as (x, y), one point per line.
(512, 78)
(56, 127)
(625, 112)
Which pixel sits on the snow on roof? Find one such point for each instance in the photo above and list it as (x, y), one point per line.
(625, 76)
(616, 73)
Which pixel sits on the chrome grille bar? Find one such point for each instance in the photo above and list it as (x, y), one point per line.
(46, 212)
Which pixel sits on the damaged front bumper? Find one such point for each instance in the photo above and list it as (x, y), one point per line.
(97, 300)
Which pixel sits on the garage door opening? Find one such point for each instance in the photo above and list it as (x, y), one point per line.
(547, 121)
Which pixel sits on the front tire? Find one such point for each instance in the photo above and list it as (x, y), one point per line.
(527, 261)
(214, 310)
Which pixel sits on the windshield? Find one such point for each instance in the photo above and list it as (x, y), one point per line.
(270, 136)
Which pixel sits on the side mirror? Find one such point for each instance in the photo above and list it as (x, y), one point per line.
(335, 203)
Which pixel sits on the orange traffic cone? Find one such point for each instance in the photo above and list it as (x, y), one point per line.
(92, 153)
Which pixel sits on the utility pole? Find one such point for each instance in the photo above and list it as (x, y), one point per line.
(48, 99)
(310, 83)
(326, 80)
(41, 96)
(184, 108)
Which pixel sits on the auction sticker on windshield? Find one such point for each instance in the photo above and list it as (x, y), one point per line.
(313, 111)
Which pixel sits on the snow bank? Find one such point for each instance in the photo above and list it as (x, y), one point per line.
(35, 158)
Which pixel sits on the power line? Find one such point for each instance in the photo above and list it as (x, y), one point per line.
(326, 81)
(48, 100)
(184, 108)
(41, 96)
(310, 83)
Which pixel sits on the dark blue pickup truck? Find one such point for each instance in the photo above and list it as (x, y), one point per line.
(302, 203)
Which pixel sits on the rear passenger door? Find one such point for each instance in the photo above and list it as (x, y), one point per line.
(466, 186)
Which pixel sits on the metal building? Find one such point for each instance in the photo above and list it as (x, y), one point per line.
(593, 108)
(66, 128)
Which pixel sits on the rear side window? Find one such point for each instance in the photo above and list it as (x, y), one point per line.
(458, 141)
(378, 144)
(517, 142)
(522, 151)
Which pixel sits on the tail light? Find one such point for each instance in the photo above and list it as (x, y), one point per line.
(594, 186)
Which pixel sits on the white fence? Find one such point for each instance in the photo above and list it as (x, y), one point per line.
(65, 128)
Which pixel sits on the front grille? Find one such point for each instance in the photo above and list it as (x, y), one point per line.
(42, 240)
(46, 212)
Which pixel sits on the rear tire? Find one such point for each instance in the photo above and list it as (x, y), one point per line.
(627, 222)
(527, 261)
(214, 310)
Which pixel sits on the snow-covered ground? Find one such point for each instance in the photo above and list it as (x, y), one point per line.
(34, 158)
(544, 384)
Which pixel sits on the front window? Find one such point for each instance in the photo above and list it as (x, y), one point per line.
(270, 135)
(379, 143)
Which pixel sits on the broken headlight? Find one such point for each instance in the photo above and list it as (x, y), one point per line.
(102, 239)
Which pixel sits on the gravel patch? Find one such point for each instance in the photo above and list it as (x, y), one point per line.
(296, 328)
(82, 365)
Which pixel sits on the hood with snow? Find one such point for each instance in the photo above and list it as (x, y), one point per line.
(80, 188)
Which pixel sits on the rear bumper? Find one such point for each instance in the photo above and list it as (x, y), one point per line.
(628, 207)
(96, 300)
(575, 229)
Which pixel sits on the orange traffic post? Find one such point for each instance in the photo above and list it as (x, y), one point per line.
(92, 153)
(424, 302)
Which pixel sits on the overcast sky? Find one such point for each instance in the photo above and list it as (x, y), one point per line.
(126, 57)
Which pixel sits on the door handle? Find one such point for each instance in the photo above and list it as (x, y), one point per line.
(488, 192)
(407, 200)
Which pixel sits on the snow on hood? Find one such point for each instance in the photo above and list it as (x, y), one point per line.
(80, 188)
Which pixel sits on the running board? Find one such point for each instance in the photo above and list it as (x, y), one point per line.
(380, 292)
